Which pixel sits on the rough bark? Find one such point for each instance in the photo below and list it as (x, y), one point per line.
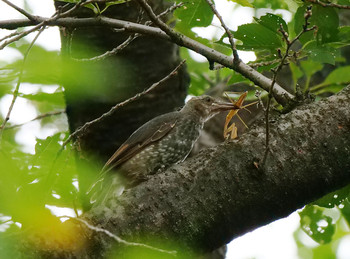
(219, 194)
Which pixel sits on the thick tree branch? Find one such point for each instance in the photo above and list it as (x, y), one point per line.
(281, 95)
(219, 194)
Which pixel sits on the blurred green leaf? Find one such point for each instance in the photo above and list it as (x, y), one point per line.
(296, 72)
(316, 225)
(345, 210)
(273, 4)
(338, 76)
(310, 67)
(344, 34)
(41, 67)
(242, 2)
(53, 98)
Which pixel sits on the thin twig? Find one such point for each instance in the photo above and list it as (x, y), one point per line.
(118, 239)
(83, 128)
(10, 36)
(39, 117)
(112, 52)
(275, 71)
(227, 30)
(15, 93)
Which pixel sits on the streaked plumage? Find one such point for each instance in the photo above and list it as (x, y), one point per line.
(156, 145)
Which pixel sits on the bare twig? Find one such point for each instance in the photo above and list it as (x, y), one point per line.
(227, 30)
(339, 6)
(118, 239)
(83, 128)
(10, 36)
(275, 71)
(112, 52)
(39, 117)
(15, 92)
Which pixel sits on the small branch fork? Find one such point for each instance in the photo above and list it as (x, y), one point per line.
(275, 71)
(83, 128)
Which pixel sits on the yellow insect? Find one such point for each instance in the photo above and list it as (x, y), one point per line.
(230, 132)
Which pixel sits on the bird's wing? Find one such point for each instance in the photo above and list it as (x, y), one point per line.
(150, 132)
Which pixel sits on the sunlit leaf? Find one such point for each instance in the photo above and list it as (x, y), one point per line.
(257, 37)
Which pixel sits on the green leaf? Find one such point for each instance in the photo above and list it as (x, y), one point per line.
(310, 67)
(321, 53)
(195, 13)
(316, 225)
(242, 3)
(257, 37)
(345, 210)
(108, 4)
(42, 66)
(344, 34)
(56, 98)
(273, 22)
(296, 72)
(272, 4)
(334, 198)
(339, 75)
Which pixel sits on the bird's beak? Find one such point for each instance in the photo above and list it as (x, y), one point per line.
(219, 106)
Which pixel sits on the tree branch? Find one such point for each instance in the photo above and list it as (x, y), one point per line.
(219, 194)
(281, 95)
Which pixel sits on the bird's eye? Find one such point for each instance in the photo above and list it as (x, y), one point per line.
(207, 99)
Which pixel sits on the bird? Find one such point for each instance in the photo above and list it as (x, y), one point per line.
(158, 144)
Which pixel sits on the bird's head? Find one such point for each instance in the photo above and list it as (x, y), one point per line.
(206, 106)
